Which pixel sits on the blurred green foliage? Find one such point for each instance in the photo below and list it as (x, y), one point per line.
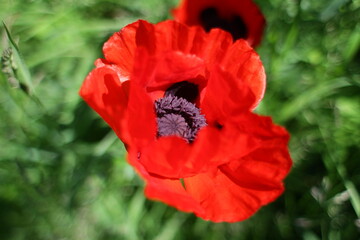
(63, 173)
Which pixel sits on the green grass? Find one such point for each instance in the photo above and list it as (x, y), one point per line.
(62, 171)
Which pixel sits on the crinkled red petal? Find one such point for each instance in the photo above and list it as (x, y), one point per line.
(225, 97)
(248, 68)
(103, 91)
(140, 117)
(249, 133)
(262, 169)
(223, 200)
(173, 157)
(120, 49)
(170, 191)
(156, 73)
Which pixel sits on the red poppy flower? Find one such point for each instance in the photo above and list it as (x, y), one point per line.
(181, 100)
(242, 18)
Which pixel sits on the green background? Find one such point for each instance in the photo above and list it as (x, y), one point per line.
(62, 170)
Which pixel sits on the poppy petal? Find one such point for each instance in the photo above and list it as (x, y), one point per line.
(184, 160)
(103, 91)
(120, 49)
(159, 72)
(245, 64)
(169, 191)
(263, 169)
(211, 47)
(249, 132)
(218, 108)
(224, 199)
(140, 110)
(269, 163)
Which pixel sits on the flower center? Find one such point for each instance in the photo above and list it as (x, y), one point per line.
(176, 114)
(210, 18)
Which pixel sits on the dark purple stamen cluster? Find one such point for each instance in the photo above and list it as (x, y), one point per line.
(177, 116)
(210, 18)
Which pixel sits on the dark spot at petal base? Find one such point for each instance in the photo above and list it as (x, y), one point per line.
(185, 90)
(218, 126)
(209, 18)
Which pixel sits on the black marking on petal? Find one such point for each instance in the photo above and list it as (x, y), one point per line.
(209, 18)
(218, 125)
(185, 90)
